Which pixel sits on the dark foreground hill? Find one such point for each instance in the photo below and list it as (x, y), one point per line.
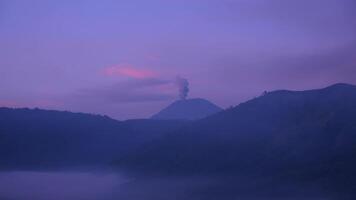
(189, 109)
(295, 136)
(300, 145)
(34, 138)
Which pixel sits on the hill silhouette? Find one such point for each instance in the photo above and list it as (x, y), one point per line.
(295, 136)
(34, 138)
(272, 141)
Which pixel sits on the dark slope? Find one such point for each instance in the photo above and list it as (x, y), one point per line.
(33, 138)
(190, 109)
(301, 136)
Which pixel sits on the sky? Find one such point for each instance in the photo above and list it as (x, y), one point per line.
(122, 58)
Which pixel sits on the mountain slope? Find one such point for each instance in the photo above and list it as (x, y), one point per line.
(190, 109)
(34, 138)
(304, 136)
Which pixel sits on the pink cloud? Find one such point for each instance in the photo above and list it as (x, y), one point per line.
(9, 103)
(129, 71)
(42, 103)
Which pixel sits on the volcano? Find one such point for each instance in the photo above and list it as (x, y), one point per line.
(187, 109)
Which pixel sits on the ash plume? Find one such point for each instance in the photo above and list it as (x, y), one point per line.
(183, 87)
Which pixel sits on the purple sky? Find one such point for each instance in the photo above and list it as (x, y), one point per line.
(121, 57)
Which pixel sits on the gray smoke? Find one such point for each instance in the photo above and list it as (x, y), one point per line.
(183, 87)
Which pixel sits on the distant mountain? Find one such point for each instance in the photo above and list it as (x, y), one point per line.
(294, 136)
(34, 138)
(189, 109)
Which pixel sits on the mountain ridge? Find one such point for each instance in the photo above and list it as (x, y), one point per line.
(48, 139)
(294, 135)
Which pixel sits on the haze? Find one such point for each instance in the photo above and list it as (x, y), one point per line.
(120, 58)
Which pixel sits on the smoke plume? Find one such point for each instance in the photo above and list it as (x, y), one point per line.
(183, 87)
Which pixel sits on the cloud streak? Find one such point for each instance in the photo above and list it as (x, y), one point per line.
(127, 70)
(9, 103)
(130, 91)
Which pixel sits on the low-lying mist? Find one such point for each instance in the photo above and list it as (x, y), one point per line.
(110, 185)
